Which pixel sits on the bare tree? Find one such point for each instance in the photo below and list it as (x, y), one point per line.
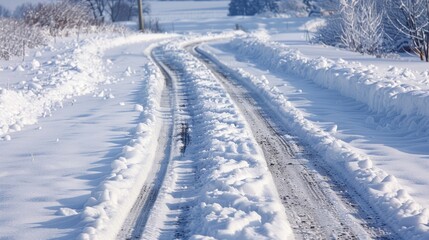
(114, 10)
(411, 18)
(357, 26)
(16, 36)
(124, 10)
(58, 16)
(98, 8)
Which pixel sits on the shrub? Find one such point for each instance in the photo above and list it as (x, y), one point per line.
(16, 36)
(59, 16)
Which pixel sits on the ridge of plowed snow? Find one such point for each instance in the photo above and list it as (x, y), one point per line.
(111, 201)
(381, 94)
(380, 189)
(77, 73)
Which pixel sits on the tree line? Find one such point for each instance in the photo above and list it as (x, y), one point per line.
(33, 24)
(98, 10)
(253, 7)
(367, 26)
(377, 27)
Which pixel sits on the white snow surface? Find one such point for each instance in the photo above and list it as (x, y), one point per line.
(235, 195)
(382, 190)
(78, 128)
(111, 201)
(69, 178)
(78, 72)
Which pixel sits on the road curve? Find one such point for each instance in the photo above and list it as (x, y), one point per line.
(318, 205)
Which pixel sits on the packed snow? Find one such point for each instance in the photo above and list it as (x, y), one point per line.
(235, 197)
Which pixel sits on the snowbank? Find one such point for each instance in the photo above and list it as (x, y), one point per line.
(380, 189)
(77, 72)
(236, 197)
(383, 95)
(109, 204)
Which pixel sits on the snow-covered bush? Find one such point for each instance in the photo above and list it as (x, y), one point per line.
(370, 26)
(361, 26)
(32, 25)
(16, 36)
(331, 33)
(59, 16)
(357, 26)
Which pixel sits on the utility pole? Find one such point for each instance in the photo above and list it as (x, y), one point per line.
(141, 20)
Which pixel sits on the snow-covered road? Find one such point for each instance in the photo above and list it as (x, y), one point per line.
(313, 197)
(318, 205)
(364, 145)
(218, 184)
(273, 139)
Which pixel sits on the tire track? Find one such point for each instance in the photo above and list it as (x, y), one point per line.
(135, 223)
(167, 217)
(317, 204)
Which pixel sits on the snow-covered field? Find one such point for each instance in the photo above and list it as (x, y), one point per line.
(80, 124)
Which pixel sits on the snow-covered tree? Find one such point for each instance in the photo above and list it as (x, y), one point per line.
(267, 6)
(349, 27)
(361, 26)
(237, 7)
(370, 28)
(357, 26)
(252, 7)
(58, 16)
(16, 36)
(410, 20)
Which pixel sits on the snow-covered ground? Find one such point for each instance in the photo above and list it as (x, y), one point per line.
(79, 123)
(49, 169)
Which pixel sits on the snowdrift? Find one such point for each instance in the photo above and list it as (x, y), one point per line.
(78, 72)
